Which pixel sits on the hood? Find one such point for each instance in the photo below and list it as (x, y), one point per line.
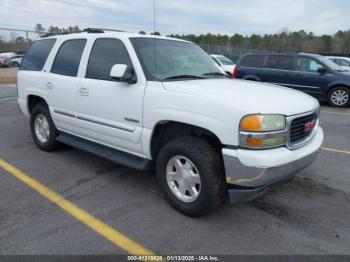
(248, 96)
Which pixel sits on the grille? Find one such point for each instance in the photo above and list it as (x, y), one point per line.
(298, 133)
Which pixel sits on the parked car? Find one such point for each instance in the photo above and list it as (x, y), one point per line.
(309, 73)
(17, 60)
(6, 59)
(224, 63)
(344, 62)
(110, 94)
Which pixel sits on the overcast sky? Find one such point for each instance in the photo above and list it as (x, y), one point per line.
(181, 16)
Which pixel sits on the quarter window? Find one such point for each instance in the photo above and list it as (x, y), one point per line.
(37, 54)
(105, 53)
(68, 58)
(306, 64)
(280, 62)
(253, 61)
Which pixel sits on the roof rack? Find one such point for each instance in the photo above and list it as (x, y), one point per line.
(100, 30)
(52, 34)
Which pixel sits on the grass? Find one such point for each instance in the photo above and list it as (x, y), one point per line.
(8, 79)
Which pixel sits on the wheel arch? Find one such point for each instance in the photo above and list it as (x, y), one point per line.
(167, 130)
(334, 85)
(251, 78)
(33, 100)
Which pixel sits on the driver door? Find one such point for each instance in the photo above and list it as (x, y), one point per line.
(110, 112)
(306, 78)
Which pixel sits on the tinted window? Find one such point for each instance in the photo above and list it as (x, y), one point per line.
(280, 62)
(307, 64)
(253, 61)
(37, 54)
(343, 62)
(224, 60)
(105, 53)
(68, 58)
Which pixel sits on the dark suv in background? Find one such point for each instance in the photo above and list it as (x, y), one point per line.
(309, 73)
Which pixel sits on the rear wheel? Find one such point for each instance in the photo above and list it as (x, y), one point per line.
(43, 129)
(339, 97)
(190, 172)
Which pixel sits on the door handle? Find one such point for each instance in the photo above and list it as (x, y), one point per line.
(84, 91)
(49, 86)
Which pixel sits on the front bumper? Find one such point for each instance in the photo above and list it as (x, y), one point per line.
(251, 172)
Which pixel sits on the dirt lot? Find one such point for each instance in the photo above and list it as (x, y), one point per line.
(8, 75)
(309, 214)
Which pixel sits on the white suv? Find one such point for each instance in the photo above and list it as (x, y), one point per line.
(145, 101)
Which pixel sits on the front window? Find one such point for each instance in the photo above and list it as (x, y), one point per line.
(306, 64)
(166, 60)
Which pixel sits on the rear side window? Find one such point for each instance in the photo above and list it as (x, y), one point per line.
(283, 62)
(105, 53)
(37, 54)
(253, 61)
(68, 58)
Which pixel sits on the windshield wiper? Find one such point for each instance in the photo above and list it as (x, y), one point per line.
(184, 77)
(215, 74)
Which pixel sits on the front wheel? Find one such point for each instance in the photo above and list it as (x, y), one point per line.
(339, 97)
(190, 172)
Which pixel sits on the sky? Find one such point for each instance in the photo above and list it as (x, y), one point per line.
(181, 16)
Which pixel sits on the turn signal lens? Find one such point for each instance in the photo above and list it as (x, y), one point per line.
(265, 142)
(251, 123)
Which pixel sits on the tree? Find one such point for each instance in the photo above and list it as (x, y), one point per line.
(142, 32)
(39, 29)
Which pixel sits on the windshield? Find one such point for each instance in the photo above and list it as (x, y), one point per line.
(173, 60)
(224, 60)
(330, 63)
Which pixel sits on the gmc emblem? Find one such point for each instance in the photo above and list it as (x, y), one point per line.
(309, 126)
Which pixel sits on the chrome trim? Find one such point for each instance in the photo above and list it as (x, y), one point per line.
(282, 84)
(106, 124)
(131, 120)
(243, 135)
(267, 135)
(63, 113)
(309, 137)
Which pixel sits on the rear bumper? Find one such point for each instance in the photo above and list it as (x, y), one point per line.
(252, 172)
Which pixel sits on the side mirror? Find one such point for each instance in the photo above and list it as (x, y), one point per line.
(123, 73)
(322, 70)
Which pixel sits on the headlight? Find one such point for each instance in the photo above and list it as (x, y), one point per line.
(263, 131)
(263, 123)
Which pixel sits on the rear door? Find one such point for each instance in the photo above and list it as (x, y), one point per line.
(251, 67)
(278, 69)
(306, 77)
(62, 84)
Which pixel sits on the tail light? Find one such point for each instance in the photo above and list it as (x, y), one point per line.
(235, 72)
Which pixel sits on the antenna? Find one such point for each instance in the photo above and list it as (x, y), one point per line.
(155, 38)
(154, 17)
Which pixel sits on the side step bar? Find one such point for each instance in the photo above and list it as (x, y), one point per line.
(112, 154)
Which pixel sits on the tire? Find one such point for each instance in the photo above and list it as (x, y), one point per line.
(15, 64)
(339, 96)
(41, 111)
(206, 164)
